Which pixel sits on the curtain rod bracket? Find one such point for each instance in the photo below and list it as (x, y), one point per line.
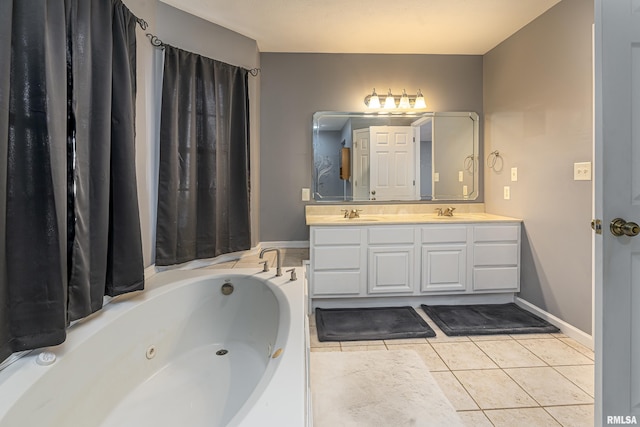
(143, 24)
(155, 41)
(254, 71)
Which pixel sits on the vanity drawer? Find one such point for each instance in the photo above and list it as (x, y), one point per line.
(337, 236)
(496, 278)
(496, 233)
(391, 235)
(336, 257)
(444, 234)
(336, 283)
(495, 254)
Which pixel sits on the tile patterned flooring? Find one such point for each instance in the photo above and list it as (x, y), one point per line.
(497, 380)
(501, 380)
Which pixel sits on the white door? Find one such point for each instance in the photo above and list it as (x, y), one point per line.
(392, 165)
(360, 166)
(617, 195)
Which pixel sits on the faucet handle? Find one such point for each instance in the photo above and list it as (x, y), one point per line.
(293, 274)
(266, 265)
(439, 210)
(346, 212)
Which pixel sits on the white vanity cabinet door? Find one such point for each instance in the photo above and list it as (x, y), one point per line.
(444, 264)
(496, 257)
(444, 268)
(391, 253)
(337, 267)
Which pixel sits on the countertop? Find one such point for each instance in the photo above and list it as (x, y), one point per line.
(409, 218)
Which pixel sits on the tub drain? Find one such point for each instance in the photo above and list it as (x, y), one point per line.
(222, 352)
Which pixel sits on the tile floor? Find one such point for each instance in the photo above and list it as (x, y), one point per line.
(501, 380)
(532, 380)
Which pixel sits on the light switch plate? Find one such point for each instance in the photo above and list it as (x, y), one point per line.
(460, 176)
(436, 177)
(582, 171)
(514, 174)
(306, 194)
(507, 192)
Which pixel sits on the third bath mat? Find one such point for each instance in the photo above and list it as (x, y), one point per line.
(486, 319)
(371, 323)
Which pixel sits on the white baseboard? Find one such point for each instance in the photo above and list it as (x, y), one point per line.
(566, 328)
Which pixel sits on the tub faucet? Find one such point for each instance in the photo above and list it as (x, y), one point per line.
(278, 260)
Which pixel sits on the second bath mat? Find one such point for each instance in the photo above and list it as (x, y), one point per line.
(486, 319)
(371, 323)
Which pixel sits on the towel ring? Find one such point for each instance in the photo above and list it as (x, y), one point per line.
(492, 159)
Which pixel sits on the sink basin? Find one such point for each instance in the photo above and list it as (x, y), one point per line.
(363, 219)
(454, 218)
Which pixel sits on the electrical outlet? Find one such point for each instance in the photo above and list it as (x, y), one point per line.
(514, 174)
(507, 192)
(582, 171)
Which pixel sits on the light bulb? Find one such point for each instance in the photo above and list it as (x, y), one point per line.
(404, 100)
(419, 101)
(390, 102)
(374, 101)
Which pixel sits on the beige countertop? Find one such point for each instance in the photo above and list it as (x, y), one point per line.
(413, 218)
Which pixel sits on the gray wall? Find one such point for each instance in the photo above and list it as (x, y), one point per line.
(294, 86)
(538, 114)
(187, 32)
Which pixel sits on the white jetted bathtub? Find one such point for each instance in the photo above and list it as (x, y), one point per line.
(180, 353)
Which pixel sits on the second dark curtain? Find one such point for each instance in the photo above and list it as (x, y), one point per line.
(203, 196)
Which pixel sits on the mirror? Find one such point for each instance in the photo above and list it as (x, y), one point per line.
(393, 157)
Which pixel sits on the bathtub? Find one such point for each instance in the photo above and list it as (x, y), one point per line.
(178, 353)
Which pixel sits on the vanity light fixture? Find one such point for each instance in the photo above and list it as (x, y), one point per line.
(374, 101)
(391, 102)
(419, 104)
(404, 100)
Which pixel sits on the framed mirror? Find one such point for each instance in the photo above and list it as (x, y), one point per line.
(394, 157)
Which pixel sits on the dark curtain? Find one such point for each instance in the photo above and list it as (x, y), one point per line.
(203, 196)
(68, 205)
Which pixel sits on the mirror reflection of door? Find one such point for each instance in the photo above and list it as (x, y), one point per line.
(392, 170)
(360, 168)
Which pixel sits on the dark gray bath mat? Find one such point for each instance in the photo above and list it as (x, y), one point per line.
(486, 319)
(371, 323)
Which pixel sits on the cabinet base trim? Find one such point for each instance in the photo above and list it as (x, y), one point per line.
(413, 301)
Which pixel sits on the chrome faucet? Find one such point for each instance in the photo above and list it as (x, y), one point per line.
(445, 212)
(353, 213)
(278, 260)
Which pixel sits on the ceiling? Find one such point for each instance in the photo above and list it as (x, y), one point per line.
(467, 27)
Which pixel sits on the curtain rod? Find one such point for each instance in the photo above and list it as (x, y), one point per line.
(156, 42)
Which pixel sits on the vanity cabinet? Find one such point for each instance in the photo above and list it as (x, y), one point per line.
(444, 259)
(414, 260)
(391, 256)
(496, 257)
(338, 265)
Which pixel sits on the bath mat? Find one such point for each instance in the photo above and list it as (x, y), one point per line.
(376, 388)
(486, 319)
(371, 323)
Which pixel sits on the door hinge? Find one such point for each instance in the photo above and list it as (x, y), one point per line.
(596, 225)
